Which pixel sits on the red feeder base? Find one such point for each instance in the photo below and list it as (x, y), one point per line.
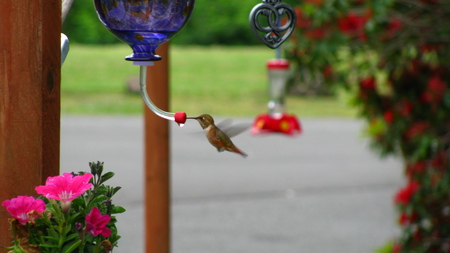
(286, 124)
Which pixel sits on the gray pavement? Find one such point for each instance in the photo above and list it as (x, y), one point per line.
(324, 191)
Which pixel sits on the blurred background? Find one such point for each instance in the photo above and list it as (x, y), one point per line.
(368, 79)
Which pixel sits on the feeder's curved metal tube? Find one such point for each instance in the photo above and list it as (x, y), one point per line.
(179, 117)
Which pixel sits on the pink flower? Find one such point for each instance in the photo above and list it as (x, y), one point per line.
(22, 206)
(96, 223)
(65, 187)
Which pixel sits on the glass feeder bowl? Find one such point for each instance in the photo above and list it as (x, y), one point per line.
(144, 24)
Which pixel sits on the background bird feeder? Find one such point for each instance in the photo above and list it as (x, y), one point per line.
(272, 23)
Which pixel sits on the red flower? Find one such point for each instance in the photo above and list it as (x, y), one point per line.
(416, 129)
(302, 20)
(397, 248)
(406, 219)
(327, 71)
(353, 25)
(393, 27)
(389, 117)
(367, 84)
(439, 161)
(317, 33)
(416, 168)
(405, 108)
(405, 194)
(23, 206)
(96, 223)
(435, 89)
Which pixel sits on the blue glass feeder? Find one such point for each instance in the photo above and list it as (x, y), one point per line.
(144, 25)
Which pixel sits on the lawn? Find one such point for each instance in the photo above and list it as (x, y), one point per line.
(222, 81)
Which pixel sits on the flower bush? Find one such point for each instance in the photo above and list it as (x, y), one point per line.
(73, 214)
(393, 57)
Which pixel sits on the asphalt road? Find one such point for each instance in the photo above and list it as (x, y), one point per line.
(323, 191)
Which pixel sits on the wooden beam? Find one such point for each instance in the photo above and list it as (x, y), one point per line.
(29, 98)
(157, 158)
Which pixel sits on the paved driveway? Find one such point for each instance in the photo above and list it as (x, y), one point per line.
(324, 191)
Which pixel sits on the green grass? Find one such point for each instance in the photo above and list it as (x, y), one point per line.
(223, 81)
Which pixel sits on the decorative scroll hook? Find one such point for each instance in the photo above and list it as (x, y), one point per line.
(273, 33)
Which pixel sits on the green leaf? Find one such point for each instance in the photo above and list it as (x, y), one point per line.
(71, 237)
(106, 177)
(447, 98)
(69, 248)
(117, 209)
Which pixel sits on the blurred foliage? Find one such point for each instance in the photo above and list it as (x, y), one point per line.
(222, 22)
(393, 58)
(83, 26)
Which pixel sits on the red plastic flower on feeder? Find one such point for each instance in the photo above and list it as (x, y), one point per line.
(66, 187)
(96, 223)
(23, 207)
(286, 124)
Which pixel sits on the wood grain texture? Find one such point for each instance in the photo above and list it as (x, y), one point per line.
(29, 98)
(157, 157)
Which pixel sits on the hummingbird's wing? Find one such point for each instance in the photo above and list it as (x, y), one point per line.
(231, 129)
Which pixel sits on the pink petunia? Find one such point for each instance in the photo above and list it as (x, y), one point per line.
(65, 187)
(96, 223)
(22, 206)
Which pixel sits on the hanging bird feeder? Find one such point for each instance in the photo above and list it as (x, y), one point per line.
(145, 25)
(272, 23)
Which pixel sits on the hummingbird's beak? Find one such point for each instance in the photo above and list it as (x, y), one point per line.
(191, 117)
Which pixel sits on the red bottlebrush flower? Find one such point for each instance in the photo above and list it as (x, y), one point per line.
(397, 248)
(96, 223)
(416, 168)
(317, 33)
(367, 83)
(393, 27)
(436, 88)
(439, 161)
(405, 108)
(406, 219)
(327, 71)
(416, 129)
(389, 117)
(302, 21)
(353, 25)
(23, 206)
(405, 194)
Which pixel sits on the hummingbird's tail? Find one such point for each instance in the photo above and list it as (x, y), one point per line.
(236, 150)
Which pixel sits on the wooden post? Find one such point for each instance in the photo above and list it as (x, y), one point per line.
(157, 174)
(30, 65)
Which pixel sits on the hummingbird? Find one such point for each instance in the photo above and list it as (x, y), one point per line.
(216, 136)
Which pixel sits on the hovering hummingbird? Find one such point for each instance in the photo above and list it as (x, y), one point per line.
(215, 136)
